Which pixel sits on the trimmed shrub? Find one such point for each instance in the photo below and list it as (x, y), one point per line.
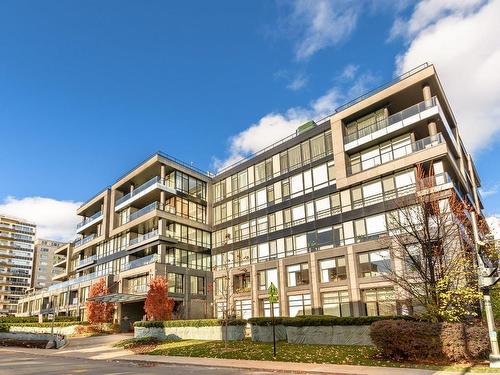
(266, 321)
(189, 323)
(328, 320)
(457, 342)
(34, 319)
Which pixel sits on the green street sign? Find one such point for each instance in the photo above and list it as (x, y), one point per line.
(272, 293)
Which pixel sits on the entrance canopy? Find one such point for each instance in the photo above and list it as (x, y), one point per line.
(117, 297)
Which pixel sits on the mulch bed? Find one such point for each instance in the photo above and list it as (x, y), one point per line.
(41, 344)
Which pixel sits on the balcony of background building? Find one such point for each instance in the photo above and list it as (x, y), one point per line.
(84, 262)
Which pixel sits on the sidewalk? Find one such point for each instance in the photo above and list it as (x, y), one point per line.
(99, 348)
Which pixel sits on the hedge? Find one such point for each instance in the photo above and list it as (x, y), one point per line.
(34, 319)
(4, 327)
(329, 320)
(455, 342)
(266, 321)
(189, 323)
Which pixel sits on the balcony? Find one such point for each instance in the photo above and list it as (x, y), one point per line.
(394, 154)
(153, 184)
(85, 240)
(143, 211)
(140, 262)
(79, 280)
(86, 261)
(138, 289)
(97, 217)
(397, 121)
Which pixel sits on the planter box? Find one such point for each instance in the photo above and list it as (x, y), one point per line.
(329, 335)
(191, 333)
(265, 333)
(66, 331)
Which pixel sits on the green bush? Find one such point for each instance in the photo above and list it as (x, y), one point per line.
(34, 319)
(265, 321)
(455, 342)
(189, 323)
(329, 320)
(46, 324)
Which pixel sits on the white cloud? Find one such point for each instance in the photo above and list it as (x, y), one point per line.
(297, 83)
(275, 126)
(490, 191)
(494, 224)
(461, 39)
(55, 220)
(349, 71)
(321, 23)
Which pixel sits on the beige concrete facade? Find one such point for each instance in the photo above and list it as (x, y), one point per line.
(307, 213)
(45, 263)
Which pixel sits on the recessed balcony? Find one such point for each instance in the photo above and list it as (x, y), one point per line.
(144, 189)
(394, 154)
(140, 262)
(94, 219)
(409, 116)
(85, 240)
(86, 261)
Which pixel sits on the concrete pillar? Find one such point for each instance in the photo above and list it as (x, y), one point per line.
(432, 128)
(162, 251)
(132, 187)
(162, 227)
(315, 295)
(281, 288)
(353, 282)
(255, 292)
(426, 91)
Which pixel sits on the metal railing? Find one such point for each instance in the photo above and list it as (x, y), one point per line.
(143, 211)
(140, 188)
(89, 219)
(396, 153)
(84, 240)
(86, 261)
(391, 120)
(143, 237)
(140, 262)
(79, 280)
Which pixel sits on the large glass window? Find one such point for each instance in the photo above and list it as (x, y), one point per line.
(336, 303)
(220, 285)
(266, 277)
(374, 263)
(175, 283)
(197, 285)
(379, 301)
(318, 146)
(243, 309)
(298, 274)
(332, 269)
(265, 308)
(299, 305)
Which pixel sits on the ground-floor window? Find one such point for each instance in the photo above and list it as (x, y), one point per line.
(265, 308)
(299, 305)
(175, 283)
(243, 309)
(220, 308)
(379, 301)
(336, 303)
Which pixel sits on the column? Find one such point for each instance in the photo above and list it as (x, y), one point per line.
(353, 282)
(315, 295)
(255, 292)
(281, 289)
(426, 91)
(163, 194)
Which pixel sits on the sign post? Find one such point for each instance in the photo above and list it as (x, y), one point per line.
(272, 295)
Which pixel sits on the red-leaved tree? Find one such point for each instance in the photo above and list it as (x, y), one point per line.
(157, 305)
(99, 312)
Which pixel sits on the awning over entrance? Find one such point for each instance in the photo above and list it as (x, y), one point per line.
(117, 297)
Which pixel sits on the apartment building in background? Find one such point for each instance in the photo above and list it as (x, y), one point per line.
(17, 238)
(307, 214)
(45, 263)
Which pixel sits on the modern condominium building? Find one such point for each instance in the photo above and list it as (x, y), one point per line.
(16, 260)
(307, 214)
(45, 263)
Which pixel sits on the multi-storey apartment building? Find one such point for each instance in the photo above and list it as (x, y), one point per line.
(45, 263)
(16, 261)
(307, 214)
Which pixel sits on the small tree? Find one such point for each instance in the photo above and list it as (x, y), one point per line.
(432, 250)
(99, 312)
(157, 305)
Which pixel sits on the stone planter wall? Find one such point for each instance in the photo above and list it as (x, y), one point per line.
(329, 335)
(58, 340)
(66, 331)
(265, 333)
(195, 333)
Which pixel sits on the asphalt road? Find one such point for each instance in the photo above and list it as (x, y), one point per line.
(16, 363)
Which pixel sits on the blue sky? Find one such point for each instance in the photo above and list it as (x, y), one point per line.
(91, 88)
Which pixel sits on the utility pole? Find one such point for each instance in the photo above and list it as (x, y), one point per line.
(488, 276)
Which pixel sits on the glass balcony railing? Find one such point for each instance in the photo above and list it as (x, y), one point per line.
(79, 280)
(140, 262)
(143, 237)
(392, 119)
(144, 186)
(84, 240)
(88, 220)
(394, 154)
(86, 261)
(143, 211)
